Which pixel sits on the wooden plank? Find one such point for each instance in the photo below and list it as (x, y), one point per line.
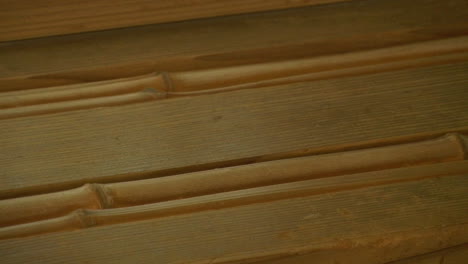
(22, 19)
(65, 150)
(49, 108)
(413, 55)
(393, 216)
(452, 255)
(81, 91)
(82, 96)
(282, 35)
(97, 216)
(91, 196)
(199, 82)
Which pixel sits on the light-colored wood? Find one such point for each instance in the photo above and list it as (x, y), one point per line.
(413, 55)
(45, 206)
(66, 150)
(90, 218)
(81, 91)
(201, 82)
(351, 148)
(50, 108)
(452, 255)
(22, 19)
(228, 41)
(431, 211)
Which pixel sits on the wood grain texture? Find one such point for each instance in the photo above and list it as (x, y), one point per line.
(451, 255)
(82, 96)
(100, 216)
(165, 85)
(22, 19)
(393, 216)
(81, 91)
(282, 35)
(351, 148)
(446, 51)
(45, 206)
(66, 150)
(57, 107)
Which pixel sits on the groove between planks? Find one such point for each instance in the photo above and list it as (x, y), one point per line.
(66, 150)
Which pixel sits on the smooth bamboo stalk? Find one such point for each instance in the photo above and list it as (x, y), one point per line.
(174, 84)
(81, 91)
(166, 85)
(450, 147)
(251, 75)
(202, 44)
(379, 60)
(72, 221)
(88, 218)
(308, 187)
(329, 74)
(33, 208)
(131, 193)
(141, 96)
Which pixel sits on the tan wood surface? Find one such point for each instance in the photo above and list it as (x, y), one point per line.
(21, 19)
(65, 150)
(389, 217)
(159, 85)
(125, 194)
(331, 132)
(450, 255)
(225, 41)
(100, 216)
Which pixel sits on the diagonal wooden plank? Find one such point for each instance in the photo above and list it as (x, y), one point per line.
(65, 150)
(375, 219)
(101, 216)
(282, 35)
(191, 83)
(124, 194)
(452, 255)
(22, 19)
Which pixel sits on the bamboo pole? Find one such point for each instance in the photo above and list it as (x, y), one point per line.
(450, 147)
(50, 108)
(89, 90)
(203, 44)
(89, 218)
(322, 67)
(161, 138)
(191, 83)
